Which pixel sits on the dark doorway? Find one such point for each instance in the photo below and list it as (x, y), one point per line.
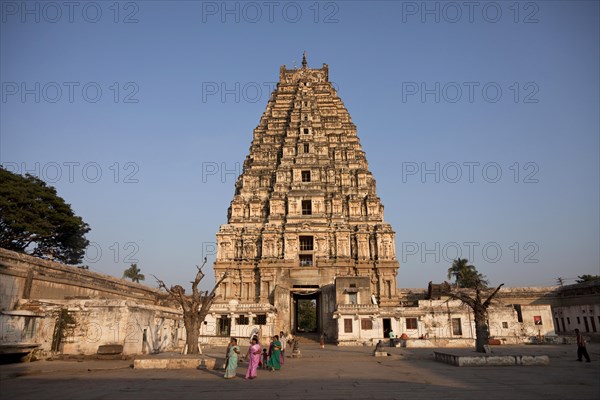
(223, 326)
(387, 326)
(307, 313)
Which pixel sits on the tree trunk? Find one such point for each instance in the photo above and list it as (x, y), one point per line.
(482, 331)
(192, 334)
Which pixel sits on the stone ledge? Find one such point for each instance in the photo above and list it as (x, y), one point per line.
(182, 362)
(487, 360)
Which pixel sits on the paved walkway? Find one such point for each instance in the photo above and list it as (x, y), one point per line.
(333, 373)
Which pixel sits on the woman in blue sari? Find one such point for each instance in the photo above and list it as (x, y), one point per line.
(275, 354)
(232, 360)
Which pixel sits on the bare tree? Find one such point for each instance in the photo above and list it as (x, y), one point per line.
(480, 310)
(195, 306)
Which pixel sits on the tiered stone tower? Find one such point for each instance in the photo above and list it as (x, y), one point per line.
(305, 209)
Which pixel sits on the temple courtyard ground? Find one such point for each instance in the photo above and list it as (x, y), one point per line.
(332, 373)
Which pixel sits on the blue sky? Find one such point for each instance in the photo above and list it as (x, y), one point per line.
(480, 125)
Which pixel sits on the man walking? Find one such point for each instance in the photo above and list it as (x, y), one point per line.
(392, 338)
(581, 349)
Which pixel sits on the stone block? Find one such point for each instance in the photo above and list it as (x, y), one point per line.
(500, 360)
(110, 349)
(485, 360)
(471, 361)
(533, 360)
(167, 363)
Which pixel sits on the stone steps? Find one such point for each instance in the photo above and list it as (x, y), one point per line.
(307, 338)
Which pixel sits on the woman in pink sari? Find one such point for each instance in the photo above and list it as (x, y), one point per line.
(253, 357)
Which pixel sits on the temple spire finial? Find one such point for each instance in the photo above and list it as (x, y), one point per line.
(304, 59)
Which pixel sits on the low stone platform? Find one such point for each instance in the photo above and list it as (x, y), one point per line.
(461, 360)
(175, 361)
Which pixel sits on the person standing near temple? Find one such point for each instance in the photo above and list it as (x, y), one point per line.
(264, 359)
(145, 346)
(253, 357)
(232, 359)
(581, 347)
(283, 340)
(227, 352)
(392, 338)
(322, 340)
(275, 354)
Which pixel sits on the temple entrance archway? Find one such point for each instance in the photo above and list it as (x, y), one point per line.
(306, 312)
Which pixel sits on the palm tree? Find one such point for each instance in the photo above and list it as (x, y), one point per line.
(471, 288)
(133, 273)
(466, 275)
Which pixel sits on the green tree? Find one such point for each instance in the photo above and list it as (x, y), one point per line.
(307, 315)
(465, 274)
(587, 278)
(471, 288)
(133, 273)
(35, 220)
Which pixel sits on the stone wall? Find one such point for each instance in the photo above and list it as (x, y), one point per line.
(26, 277)
(92, 323)
(96, 309)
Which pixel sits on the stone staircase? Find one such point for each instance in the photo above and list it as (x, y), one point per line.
(307, 338)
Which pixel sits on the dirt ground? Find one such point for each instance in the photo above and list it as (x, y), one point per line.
(332, 373)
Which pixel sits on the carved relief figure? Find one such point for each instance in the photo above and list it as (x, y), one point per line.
(249, 250)
(337, 207)
(238, 249)
(317, 206)
(386, 248)
(343, 246)
(363, 248)
(371, 209)
(278, 248)
(320, 245)
(224, 250)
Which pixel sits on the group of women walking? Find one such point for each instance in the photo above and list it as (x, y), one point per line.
(254, 357)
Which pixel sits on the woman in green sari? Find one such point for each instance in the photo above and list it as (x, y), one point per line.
(275, 354)
(232, 359)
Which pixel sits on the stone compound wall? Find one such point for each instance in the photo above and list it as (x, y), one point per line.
(93, 323)
(26, 277)
(101, 309)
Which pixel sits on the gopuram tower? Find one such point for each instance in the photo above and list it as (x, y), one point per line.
(305, 213)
